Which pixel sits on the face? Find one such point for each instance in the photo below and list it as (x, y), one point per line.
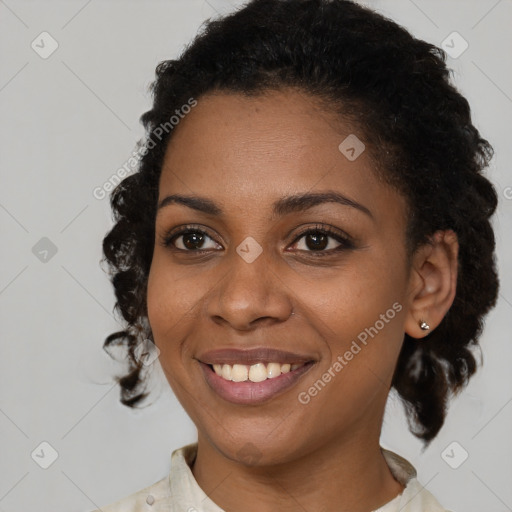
(279, 263)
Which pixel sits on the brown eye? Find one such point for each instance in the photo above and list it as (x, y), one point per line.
(322, 241)
(316, 241)
(190, 240)
(193, 240)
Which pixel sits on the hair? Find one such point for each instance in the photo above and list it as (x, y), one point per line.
(415, 124)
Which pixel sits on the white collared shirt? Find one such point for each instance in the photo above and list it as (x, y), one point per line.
(179, 491)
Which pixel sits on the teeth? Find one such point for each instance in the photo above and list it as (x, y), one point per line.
(255, 373)
(273, 370)
(226, 371)
(239, 373)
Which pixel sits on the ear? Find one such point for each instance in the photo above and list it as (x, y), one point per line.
(432, 282)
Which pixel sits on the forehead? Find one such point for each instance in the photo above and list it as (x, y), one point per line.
(249, 151)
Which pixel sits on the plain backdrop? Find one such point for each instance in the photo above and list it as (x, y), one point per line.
(69, 120)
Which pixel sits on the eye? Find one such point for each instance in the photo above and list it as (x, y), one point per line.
(318, 240)
(322, 240)
(189, 239)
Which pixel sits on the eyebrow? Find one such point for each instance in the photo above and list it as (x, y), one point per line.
(281, 207)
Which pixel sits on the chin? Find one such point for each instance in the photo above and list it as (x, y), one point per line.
(252, 450)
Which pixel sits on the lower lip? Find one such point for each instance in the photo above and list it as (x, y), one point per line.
(251, 393)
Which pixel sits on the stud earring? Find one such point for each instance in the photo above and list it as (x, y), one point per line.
(424, 326)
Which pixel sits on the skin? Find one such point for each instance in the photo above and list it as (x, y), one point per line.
(244, 153)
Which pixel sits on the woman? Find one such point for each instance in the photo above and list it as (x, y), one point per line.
(308, 228)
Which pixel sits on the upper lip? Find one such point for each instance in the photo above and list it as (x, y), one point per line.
(251, 356)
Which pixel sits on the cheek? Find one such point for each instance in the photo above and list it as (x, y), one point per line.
(352, 298)
(167, 305)
(172, 303)
(173, 298)
(359, 315)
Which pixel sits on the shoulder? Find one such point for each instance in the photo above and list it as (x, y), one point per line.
(416, 498)
(154, 498)
(167, 494)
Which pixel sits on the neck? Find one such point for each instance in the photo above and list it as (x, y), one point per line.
(345, 475)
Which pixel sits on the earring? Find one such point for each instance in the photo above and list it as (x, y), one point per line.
(424, 326)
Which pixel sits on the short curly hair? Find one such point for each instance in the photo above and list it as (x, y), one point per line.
(416, 125)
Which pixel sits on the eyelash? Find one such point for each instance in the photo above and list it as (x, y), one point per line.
(345, 241)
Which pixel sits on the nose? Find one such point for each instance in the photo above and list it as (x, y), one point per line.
(249, 295)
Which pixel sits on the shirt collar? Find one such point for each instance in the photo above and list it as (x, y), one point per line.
(188, 496)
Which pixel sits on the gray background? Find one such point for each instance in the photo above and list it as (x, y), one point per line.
(68, 122)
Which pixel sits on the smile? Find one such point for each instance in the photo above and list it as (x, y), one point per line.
(253, 384)
(254, 373)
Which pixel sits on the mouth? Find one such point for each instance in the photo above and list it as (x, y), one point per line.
(254, 384)
(253, 373)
